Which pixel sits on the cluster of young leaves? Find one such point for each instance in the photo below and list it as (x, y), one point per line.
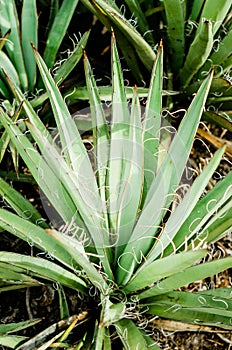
(122, 246)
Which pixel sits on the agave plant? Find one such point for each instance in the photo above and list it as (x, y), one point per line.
(122, 236)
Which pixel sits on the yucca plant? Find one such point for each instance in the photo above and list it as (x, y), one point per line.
(17, 58)
(122, 242)
(196, 34)
(16, 54)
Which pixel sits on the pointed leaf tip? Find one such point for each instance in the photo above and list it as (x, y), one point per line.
(33, 46)
(112, 34)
